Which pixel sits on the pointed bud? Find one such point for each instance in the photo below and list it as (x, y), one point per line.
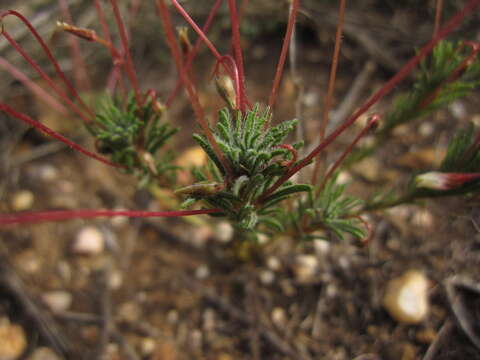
(435, 180)
(185, 43)
(83, 33)
(226, 90)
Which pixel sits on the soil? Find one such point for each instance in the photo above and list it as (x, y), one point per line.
(172, 289)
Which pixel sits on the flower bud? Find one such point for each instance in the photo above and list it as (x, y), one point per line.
(83, 33)
(435, 180)
(226, 90)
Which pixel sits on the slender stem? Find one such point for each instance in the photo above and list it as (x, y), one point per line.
(199, 113)
(331, 84)
(237, 46)
(438, 16)
(283, 53)
(49, 54)
(59, 215)
(47, 78)
(26, 119)
(195, 27)
(196, 47)
(371, 123)
(406, 69)
(129, 68)
(32, 86)
(116, 58)
(79, 68)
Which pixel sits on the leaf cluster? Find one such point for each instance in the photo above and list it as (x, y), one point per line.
(133, 136)
(252, 150)
(332, 210)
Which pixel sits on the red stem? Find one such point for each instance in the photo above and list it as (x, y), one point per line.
(55, 135)
(79, 68)
(59, 215)
(116, 58)
(195, 49)
(283, 54)
(372, 123)
(438, 16)
(49, 54)
(237, 46)
(406, 69)
(331, 85)
(45, 77)
(195, 27)
(129, 68)
(33, 87)
(199, 114)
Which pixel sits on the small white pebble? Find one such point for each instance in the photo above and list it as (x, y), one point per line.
(13, 340)
(209, 320)
(223, 232)
(262, 238)
(426, 129)
(322, 247)
(22, 200)
(406, 297)
(279, 317)
(89, 241)
(57, 301)
(305, 268)
(267, 277)
(457, 108)
(43, 353)
(47, 173)
(172, 317)
(273, 263)
(116, 280)
(202, 272)
(147, 346)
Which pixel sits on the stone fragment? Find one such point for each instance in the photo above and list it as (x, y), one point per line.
(406, 297)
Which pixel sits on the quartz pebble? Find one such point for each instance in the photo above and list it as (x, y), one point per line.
(279, 318)
(223, 232)
(89, 241)
(406, 297)
(267, 277)
(43, 353)
(57, 301)
(22, 200)
(12, 340)
(305, 268)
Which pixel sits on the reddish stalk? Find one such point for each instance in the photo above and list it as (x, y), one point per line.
(59, 215)
(79, 68)
(406, 69)
(291, 149)
(49, 54)
(438, 16)
(237, 46)
(45, 77)
(331, 84)
(283, 53)
(117, 61)
(197, 108)
(195, 27)
(26, 119)
(371, 123)
(33, 87)
(129, 68)
(195, 49)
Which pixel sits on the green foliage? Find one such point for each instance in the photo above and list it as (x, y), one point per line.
(434, 86)
(332, 210)
(133, 136)
(463, 154)
(252, 150)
